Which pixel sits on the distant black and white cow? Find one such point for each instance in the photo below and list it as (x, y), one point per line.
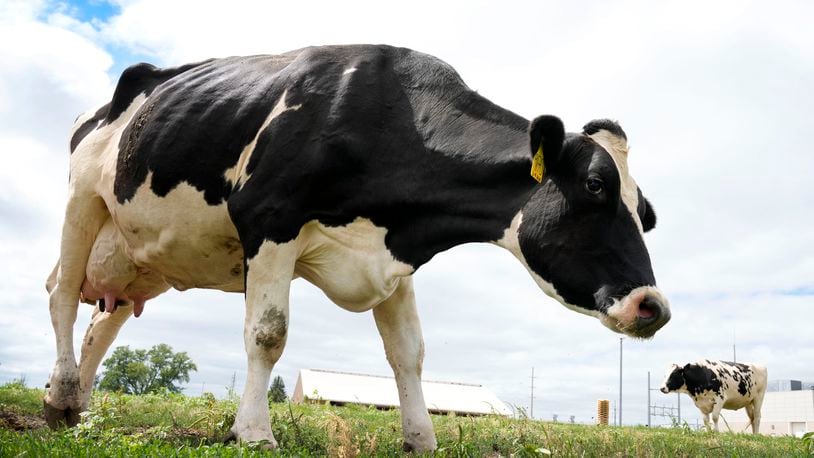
(349, 166)
(716, 385)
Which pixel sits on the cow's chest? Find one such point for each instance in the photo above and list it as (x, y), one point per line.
(351, 263)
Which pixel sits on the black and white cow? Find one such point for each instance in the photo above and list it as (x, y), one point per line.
(716, 385)
(349, 166)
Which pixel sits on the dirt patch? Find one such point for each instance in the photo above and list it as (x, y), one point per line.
(16, 421)
(270, 332)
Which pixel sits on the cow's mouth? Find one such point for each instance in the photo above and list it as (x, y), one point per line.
(639, 314)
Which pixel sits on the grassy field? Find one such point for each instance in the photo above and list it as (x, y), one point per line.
(175, 425)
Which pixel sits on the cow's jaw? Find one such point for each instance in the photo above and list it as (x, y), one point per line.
(622, 316)
(510, 242)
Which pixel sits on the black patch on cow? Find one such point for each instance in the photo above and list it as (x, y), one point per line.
(742, 375)
(399, 140)
(675, 380)
(604, 124)
(88, 126)
(701, 378)
(195, 125)
(741, 367)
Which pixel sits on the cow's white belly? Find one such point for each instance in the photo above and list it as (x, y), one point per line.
(195, 245)
(350, 264)
(737, 402)
(190, 243)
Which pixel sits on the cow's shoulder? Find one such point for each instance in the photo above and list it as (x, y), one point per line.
(701, 377)
(85, 124)
(141, 78)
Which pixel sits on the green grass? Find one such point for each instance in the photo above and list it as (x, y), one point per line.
(175, 425)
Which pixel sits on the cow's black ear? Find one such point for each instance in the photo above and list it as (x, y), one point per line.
(547, 130)
(646, 213)
(604, 124)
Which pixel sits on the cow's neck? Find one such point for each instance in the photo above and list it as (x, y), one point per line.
(489, 158)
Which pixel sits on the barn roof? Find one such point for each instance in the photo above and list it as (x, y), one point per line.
(380, 391)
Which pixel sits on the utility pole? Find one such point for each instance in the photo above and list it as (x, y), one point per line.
(620, 381)
(648, 399)
(679, 406)
(734, 353)
(532, 393)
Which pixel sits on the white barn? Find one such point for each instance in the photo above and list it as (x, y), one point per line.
(339, 388)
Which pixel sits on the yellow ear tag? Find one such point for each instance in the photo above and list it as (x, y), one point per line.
(537, 166)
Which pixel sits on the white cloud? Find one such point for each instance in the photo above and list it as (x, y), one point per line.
(715, 99)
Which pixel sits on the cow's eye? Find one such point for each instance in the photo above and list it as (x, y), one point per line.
(594, 185)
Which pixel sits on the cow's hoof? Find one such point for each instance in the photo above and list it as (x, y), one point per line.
(409, 447)
(416, 443)
(262, 444)
(60, 418)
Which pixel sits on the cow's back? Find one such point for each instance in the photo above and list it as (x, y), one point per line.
(740, 383)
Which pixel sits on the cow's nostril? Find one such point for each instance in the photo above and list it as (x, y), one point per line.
(649, 309)
(651, 314)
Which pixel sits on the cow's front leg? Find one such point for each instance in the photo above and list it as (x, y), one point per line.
(103, 329)
(397, 320)
(268, 281)
(716, 412)
(706, 421)
(84, 215)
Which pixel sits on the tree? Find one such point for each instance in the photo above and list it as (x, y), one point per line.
(277, 391)
(142, 371)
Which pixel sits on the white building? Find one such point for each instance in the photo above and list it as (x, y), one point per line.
(783, 413)
(340, 388)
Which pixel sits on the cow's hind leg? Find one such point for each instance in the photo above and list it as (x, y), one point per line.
(750, 412)
(268, 281)
(102, 331)
(397, 320)
(84, 215)
(757, 404)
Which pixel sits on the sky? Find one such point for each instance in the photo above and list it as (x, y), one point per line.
(715, 97)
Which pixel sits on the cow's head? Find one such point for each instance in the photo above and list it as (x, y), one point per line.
(674, 380)
(581, 232)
